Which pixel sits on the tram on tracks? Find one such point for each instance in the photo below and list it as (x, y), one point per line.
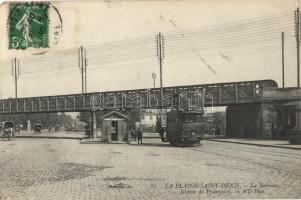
(184, 128)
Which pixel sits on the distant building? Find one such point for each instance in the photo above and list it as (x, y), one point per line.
(149, 119)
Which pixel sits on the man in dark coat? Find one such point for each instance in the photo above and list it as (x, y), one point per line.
(139, 137)
(161, 132)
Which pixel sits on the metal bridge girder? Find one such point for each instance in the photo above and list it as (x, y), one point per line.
(219, 93)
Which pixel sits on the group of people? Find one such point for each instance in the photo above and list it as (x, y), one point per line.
(133, 135)
(136, 135)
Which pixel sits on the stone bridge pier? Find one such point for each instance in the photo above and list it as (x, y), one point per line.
(256, 120)
(275, 115)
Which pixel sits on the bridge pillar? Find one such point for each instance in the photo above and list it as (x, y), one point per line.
(28, 126)
(93, 124)
(251, 120)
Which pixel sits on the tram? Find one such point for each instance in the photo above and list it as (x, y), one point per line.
(184, 128)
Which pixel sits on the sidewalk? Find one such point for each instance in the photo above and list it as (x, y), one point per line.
(261, 143)
(70, 135)
(146, 135)
(51, 135)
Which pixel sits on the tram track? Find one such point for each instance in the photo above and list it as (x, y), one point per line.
(265, 163)
(263, 151)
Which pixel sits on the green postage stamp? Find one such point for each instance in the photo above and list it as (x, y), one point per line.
(28, 25)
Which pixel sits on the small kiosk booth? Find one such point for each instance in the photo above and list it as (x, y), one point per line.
(113, 126)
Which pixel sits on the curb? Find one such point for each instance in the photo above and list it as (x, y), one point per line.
(63, 137)
(259, 145)
(99, 142)
(48, 137)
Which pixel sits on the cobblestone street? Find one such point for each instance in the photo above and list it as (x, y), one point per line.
(65, 169)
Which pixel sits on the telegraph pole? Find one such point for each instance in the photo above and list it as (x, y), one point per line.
(160, 54)
(85, 74)
(297, 29)
(16, 81)
(282, 50)
(81, 66)
(16, 74)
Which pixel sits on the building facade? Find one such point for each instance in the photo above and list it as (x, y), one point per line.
(150, 117)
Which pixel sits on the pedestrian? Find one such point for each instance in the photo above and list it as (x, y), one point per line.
(127, 137)
(139, 136)
(12, 133)
(161, 132)
(212, 133)
(134, 135)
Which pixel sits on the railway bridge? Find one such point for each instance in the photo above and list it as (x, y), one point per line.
(251, 105)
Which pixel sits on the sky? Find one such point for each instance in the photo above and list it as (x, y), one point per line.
(205, 42)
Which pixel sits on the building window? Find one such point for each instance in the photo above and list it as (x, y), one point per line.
(151, 117)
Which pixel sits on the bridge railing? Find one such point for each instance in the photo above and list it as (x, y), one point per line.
(283, 94)
(218, 94)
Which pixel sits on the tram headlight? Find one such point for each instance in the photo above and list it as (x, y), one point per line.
(193, 133)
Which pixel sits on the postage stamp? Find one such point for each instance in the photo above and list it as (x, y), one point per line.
(28, 25)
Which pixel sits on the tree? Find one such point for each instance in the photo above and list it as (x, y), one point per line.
(46, 119)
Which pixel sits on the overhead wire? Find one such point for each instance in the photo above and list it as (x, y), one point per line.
(223, 38)
(265, 27)
(203, 48)
(144, 48)
(121, 46)
(183, 56)
(230, 25)
(238, 35)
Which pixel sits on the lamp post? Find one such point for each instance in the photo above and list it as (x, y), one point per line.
(203, 99)
(154, 77)
(211, 96)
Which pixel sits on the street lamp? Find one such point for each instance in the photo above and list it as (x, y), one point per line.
(203, 99)
(211, 96)
(154, 77)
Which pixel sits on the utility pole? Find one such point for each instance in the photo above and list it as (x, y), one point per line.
(297, 29)
(16, 74)
(16, 81)
(282, 50)
(85, 74)
(82, 66)
(203, 101)
(160, 54)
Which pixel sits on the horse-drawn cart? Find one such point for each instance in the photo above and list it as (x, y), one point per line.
(37, 128)
(7, 130)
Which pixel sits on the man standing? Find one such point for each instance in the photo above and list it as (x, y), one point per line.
(139, 136)
(161, 132)
(127, 137)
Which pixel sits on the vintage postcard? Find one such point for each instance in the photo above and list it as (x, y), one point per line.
(153, 99)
